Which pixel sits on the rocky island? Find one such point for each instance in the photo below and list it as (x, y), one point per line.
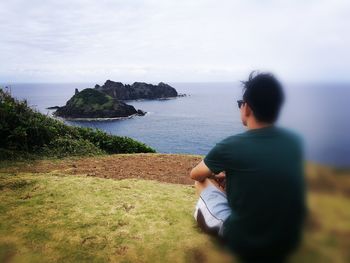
(107, 101)
(138, 90)
(91, 103)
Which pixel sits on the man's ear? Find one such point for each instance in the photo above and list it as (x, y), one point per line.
(247, 111)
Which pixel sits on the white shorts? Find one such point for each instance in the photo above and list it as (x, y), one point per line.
(212, 208)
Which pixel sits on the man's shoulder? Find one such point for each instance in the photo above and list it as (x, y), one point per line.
(234, 139)
(291, 135)
(246, 137)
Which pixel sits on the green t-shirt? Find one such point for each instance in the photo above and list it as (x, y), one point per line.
(265, 189)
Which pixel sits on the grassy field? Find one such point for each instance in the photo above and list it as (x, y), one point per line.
(53, 216)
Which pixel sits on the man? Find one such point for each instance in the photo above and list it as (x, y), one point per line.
(251, 185)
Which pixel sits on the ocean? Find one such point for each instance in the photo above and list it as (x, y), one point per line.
(209, 113)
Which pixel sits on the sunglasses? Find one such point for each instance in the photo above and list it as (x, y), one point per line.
(240, 103)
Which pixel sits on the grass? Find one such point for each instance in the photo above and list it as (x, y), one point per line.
(55, 217)
(58, 218)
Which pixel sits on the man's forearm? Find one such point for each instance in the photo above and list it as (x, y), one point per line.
(200, 172)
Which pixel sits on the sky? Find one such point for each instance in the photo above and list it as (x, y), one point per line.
(173, 40)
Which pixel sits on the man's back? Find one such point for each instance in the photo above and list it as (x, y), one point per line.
(265, 189)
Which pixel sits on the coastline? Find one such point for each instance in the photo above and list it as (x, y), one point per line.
(98, 119)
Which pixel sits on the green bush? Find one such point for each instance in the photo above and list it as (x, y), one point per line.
(26, 131)
(66, 146)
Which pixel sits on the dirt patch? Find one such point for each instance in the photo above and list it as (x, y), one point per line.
(171, 168)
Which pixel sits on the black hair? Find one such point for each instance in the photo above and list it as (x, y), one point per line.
(264, 95)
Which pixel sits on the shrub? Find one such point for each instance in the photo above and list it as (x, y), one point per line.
(24, 130)
(66, 146)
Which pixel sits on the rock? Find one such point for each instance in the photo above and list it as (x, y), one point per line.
(138, 90)
(141, 112)
(53, 108)
(91, 103)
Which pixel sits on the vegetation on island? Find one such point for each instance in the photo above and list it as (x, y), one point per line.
(26, 133)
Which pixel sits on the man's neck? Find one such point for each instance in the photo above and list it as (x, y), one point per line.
(253, 125)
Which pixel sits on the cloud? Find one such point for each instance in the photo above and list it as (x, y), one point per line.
(173, 40)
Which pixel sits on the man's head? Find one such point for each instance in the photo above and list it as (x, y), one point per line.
(262, 99)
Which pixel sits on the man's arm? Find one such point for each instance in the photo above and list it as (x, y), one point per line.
(200, 172)
(215, 159)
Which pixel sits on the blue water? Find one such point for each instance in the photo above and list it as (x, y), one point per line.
(193, 124)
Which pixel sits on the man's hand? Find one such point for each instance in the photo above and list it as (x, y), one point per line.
(221, 179)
